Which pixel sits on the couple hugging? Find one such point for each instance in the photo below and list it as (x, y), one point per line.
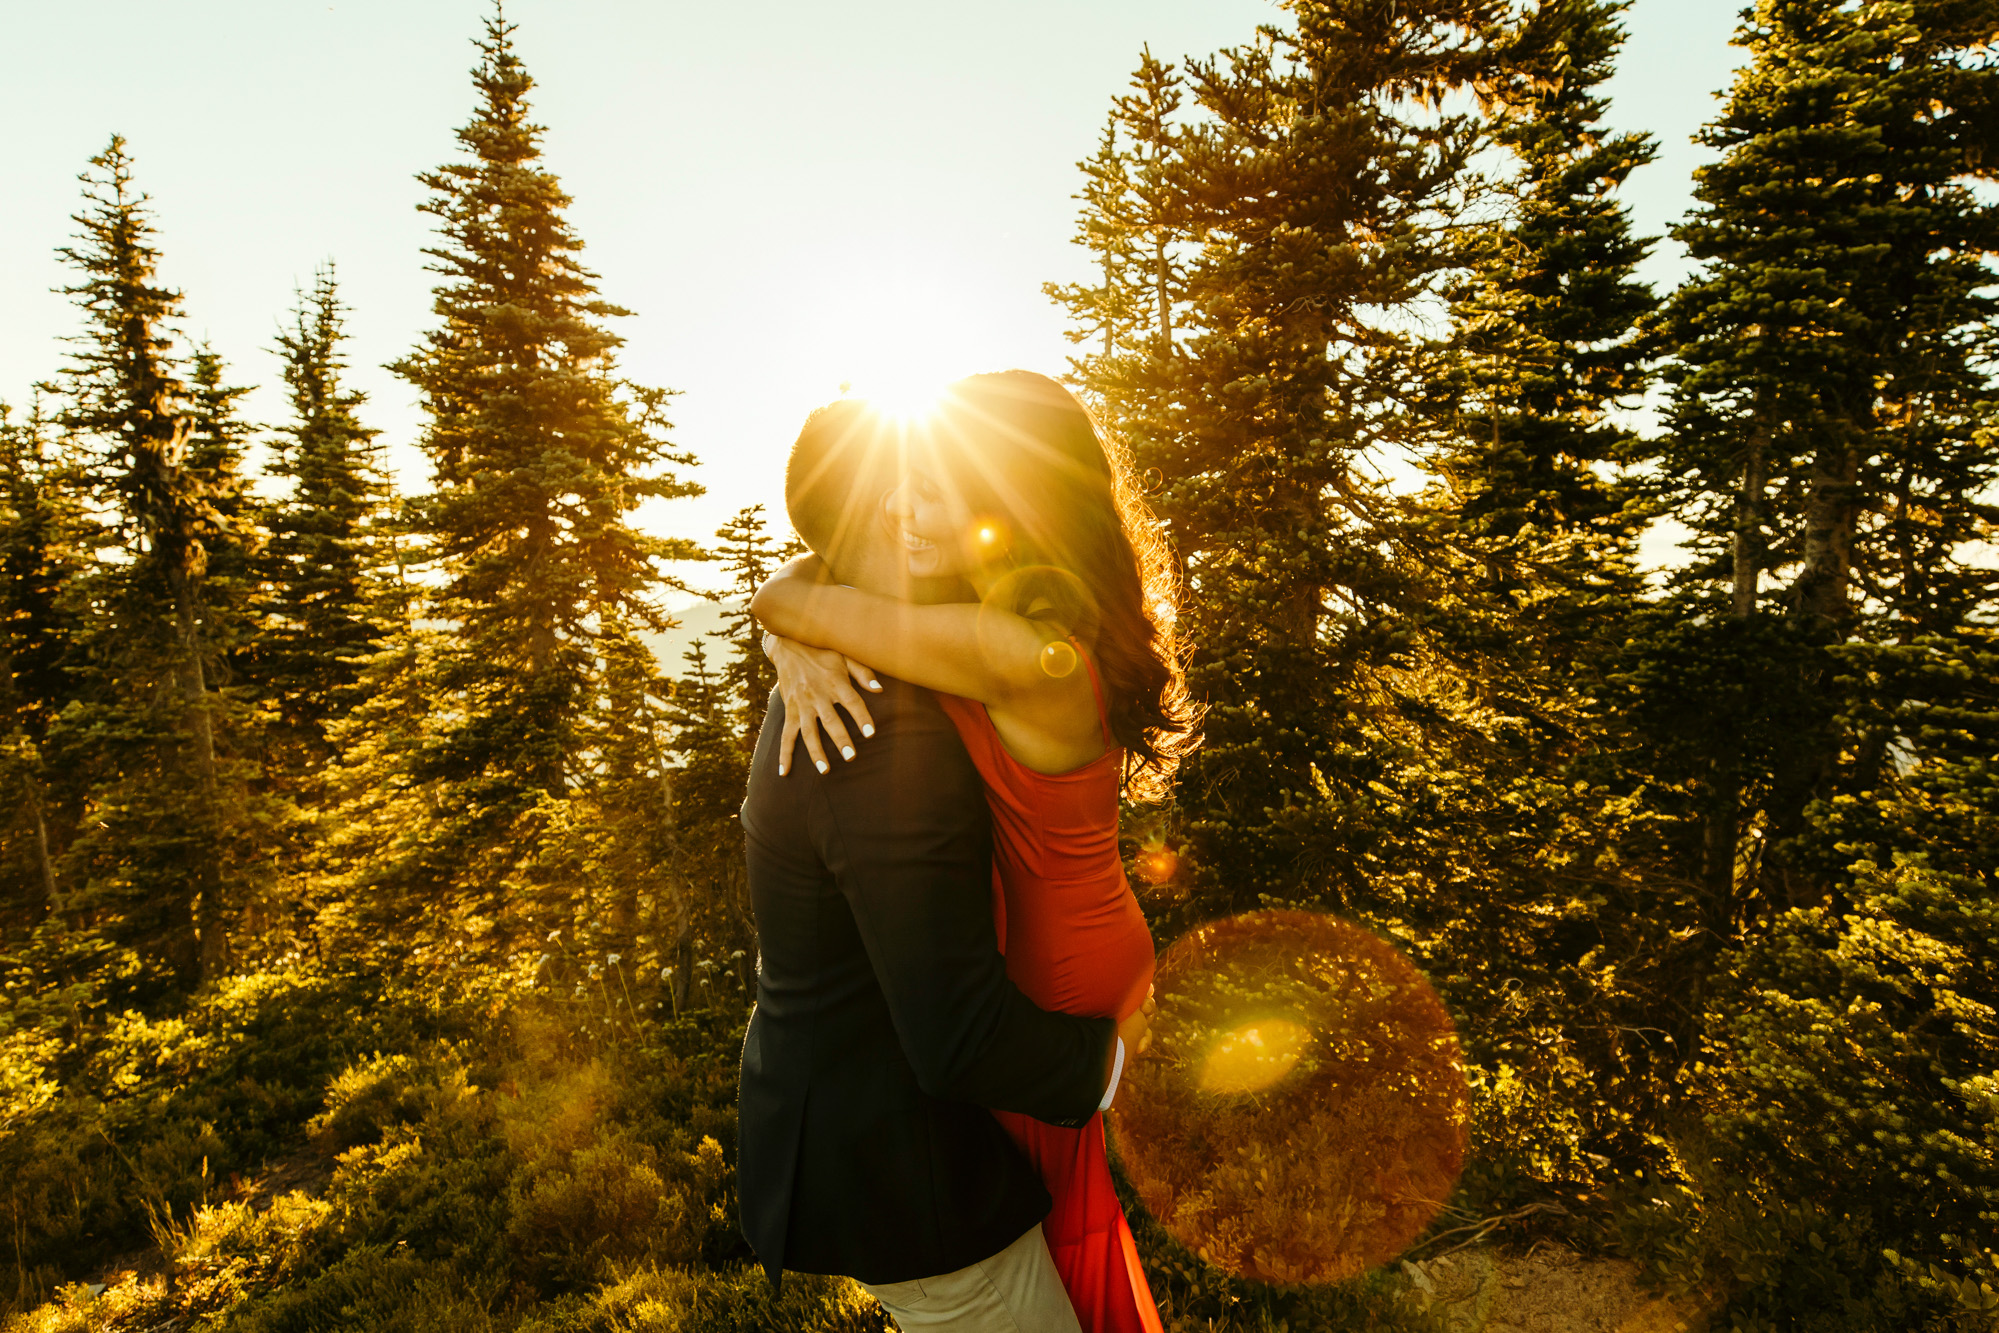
(952, 967)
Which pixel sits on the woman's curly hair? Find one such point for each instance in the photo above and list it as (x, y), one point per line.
(1086, 551)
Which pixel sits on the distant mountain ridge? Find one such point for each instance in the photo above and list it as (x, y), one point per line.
(697, 621)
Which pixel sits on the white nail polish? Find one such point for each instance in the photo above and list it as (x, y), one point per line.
(819, 764)
(874, 684)
(846, 752)
(867, 729)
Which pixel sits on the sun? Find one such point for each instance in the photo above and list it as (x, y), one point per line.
(897, 328)
(905, 394)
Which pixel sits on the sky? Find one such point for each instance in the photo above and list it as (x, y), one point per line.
(789, 195)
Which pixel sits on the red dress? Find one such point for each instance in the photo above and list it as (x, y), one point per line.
(1075, 942)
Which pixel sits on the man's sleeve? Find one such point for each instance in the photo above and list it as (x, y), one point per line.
(909, 842)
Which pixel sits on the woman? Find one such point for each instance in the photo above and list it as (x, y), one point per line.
(1058, 668)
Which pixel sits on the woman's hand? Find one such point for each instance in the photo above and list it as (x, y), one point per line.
(1136, 1029)
(816, 684)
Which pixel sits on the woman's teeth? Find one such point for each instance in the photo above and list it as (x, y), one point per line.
(914, 542)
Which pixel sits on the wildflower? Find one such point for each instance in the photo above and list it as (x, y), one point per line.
(612, 957)
(665, 972)
(594, 969)
(554, 935)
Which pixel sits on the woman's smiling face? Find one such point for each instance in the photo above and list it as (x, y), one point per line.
(933, 524)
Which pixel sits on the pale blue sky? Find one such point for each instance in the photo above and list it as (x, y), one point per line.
(787, 194)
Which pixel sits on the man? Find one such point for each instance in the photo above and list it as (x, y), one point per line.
(885, 1024)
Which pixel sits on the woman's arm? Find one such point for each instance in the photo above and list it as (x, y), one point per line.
(960, 648)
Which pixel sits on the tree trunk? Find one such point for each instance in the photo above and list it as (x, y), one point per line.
(1718, 847)
(1823, 589)
(1748, 545)
(1821, 605)
(208, 914)
(1110, 340)
(47, 862)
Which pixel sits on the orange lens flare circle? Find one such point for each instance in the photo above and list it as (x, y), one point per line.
(1158, 864)
(1303, 1112)
(1058, 659)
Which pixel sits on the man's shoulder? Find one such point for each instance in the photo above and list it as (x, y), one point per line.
(900, 698)
(915, 762)
(908, 721)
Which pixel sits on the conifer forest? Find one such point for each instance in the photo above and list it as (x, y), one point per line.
(373, 924)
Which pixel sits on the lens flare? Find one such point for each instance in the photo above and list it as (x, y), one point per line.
(1253, 1056)
(990, 538)
(1158, 864)
(1046, 593)
(1303, 1113)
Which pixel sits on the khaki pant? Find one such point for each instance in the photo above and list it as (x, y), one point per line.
(1015, 1291)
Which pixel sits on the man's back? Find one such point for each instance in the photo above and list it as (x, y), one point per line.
(884, 1022)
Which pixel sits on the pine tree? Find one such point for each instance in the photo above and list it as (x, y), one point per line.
(1133, 224)
(161, 867)
(217, 441)
(331, 599)
(709, 766)
(1533, 586)
(540, 453)
(1288, 214)
(1398, 727)
(1830, 389)
(630, 844)
(1820, 692)
(1546, 349)
(40, 528)
(750, 554)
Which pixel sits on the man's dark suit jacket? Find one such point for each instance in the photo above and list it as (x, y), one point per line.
(885, 1024)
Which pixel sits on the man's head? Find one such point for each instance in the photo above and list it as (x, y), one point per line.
(846, 458)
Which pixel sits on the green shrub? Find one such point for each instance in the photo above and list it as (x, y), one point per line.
(656, 1300)
(369, 1097)
(613, 1201)
(380, 1288)
(1780, 1263)
(113, 1120)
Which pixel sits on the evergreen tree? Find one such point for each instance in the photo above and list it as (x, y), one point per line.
(1818, 686)
(161, 867)
(1533, 586)
(540, 454)
(629, 844)
(40, 527)
(1399, 723)
(1286, 229)
(1546, 348)
(750, 554)
(217, 440)
(331, 599)
(709, 767)
(1831, 384)
(1133, 224)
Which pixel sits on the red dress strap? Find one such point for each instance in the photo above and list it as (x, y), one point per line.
(1096, 688)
